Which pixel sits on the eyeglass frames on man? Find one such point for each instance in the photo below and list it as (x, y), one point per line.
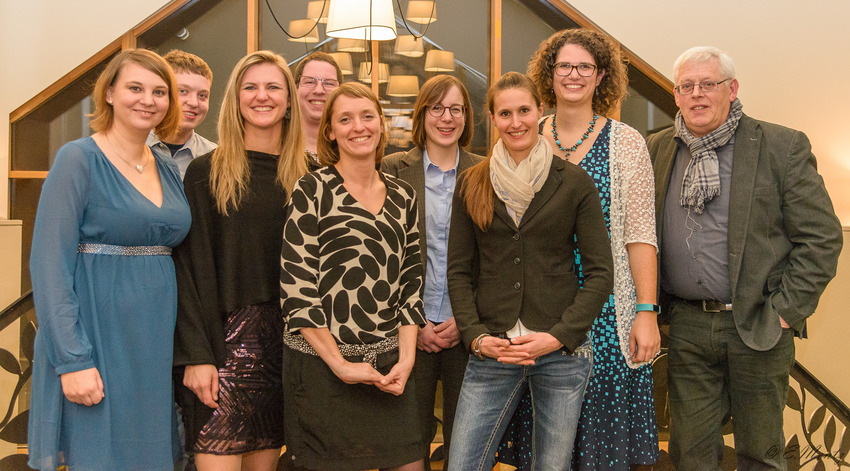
(311, 82)
(706, 86)
(438, 111)
(584, 69)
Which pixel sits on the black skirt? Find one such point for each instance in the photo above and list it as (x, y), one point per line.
(332, 425)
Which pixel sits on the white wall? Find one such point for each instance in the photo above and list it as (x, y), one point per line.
(791, 59)
(42, 40)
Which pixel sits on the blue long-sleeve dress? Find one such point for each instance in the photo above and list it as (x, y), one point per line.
(112, 312)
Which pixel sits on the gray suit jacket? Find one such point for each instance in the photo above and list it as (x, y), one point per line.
(409, 167)
(783, 235)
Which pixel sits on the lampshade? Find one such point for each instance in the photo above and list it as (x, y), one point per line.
(350, 45)
(421, 11)
(365, 72)
(402, 122)
(353, 19)
(403, 85)
(343, 60)
(440, 61)
(314, 11)
(409, 46)
(300, 28)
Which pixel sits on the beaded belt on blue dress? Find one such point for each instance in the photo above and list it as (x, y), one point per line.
(106, 249)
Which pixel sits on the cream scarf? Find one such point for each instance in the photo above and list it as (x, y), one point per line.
(516, 184)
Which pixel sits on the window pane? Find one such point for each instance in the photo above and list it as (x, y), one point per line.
(461, 28)
(217, 33)
(24, 193)
(37, 136)
(642, 114)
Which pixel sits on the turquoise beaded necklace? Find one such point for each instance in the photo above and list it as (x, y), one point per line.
(583, 136)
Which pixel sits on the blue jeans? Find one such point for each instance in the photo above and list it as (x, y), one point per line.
(490, 394)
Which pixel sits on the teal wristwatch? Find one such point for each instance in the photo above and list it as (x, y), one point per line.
(647, 307)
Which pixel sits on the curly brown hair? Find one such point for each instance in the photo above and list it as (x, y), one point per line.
(607, 55)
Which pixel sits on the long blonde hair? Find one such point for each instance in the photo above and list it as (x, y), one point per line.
(229, 174)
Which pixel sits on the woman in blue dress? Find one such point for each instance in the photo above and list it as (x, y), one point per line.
(582, 75)
(104, 283)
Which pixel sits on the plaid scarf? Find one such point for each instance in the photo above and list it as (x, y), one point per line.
(702, 176)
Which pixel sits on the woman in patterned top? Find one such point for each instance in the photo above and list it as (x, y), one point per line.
(582, 75)
(228, 350)
(350, 280)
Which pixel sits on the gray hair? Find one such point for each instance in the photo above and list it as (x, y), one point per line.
(704, 54)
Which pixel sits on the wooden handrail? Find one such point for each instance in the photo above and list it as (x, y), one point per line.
(66, 80)
(158, 16)
(18, 308)
(641, 65)
(35, 174)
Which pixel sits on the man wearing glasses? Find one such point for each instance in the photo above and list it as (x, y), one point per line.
(748, 242)
(316, 76)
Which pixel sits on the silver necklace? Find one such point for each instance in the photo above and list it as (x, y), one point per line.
(139, 168)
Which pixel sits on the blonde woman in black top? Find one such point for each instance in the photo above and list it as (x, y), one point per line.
(229, 327)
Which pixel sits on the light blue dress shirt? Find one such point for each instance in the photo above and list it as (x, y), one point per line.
(195, 147)
(439, 190)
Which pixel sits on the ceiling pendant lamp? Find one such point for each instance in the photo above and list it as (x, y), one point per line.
(440, 61)
(317, 11)
(343, 60)
(410, 46)
(362, 19)
(421, 11)
(365, 72)
(303, 31)
(403, 85)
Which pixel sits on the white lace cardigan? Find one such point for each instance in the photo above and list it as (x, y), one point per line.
(632, 218)
(632, 215)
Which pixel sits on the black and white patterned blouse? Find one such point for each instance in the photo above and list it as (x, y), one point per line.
(345, 269)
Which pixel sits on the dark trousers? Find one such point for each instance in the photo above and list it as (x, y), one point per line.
(713, 375)
(449, 367)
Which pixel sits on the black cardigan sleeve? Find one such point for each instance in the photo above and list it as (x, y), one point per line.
(199, 332)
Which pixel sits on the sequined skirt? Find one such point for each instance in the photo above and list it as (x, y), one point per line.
(250, 400)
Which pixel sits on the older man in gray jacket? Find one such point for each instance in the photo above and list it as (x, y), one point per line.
(748, 241)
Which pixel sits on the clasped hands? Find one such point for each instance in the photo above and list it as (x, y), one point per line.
(392, 383)
(522, 350)
(434, 338)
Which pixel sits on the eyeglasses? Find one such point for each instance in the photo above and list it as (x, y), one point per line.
(310, 82)
(705, 86)
(584, 69)
(438, 111)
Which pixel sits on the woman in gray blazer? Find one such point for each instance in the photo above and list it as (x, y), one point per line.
(442, 125)
(517, 220)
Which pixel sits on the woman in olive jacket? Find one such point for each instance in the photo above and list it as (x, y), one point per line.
(517, 221)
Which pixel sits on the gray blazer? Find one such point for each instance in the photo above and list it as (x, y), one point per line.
(409, 167)
(783, 235)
